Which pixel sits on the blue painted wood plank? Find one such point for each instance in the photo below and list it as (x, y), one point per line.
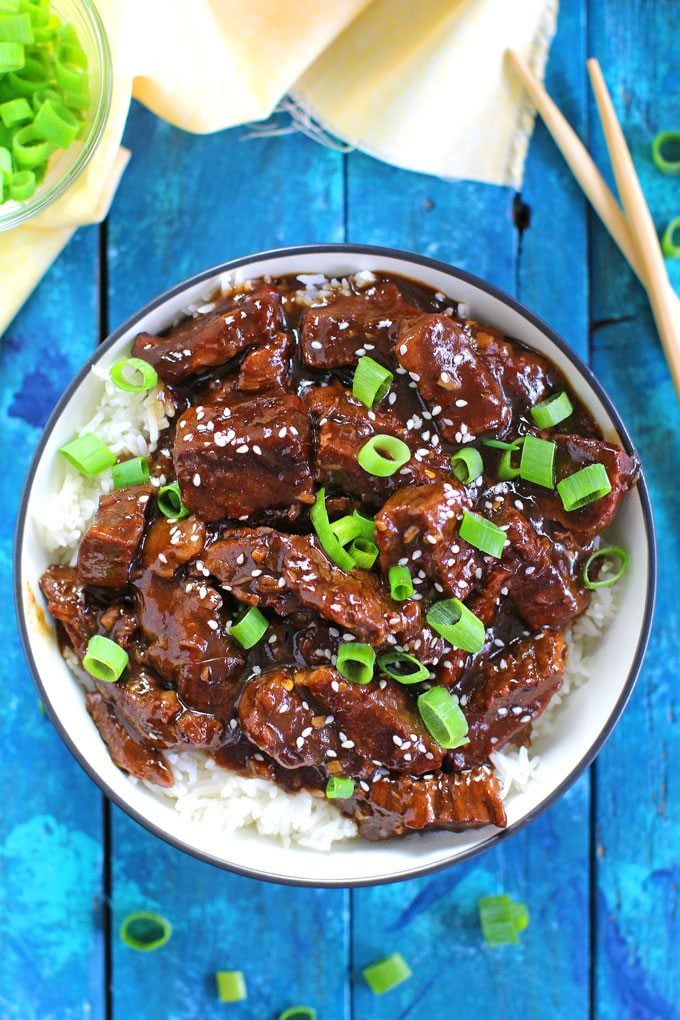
(195, 202)
(51, 962)
(637, 798)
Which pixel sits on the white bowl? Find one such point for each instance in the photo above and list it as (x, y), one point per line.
(582, 724)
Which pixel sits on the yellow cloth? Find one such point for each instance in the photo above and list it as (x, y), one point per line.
(421, 86)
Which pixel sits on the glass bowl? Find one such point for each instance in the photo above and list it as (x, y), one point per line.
(66, 165)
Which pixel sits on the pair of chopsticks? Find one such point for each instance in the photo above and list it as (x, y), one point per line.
(631, 227)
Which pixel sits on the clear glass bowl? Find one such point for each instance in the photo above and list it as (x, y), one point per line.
(66, 165)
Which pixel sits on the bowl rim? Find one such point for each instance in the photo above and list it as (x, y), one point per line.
(580, 366)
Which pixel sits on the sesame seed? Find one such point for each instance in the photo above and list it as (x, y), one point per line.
(196, 479)
(243, 448)
(461, 403)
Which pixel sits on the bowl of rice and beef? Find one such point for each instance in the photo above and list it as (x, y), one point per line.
(334, 565)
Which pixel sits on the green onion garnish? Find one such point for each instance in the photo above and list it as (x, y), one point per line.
(133, 375)
(104, 659)
(29, 149)
(552, 410)
(324, 532)
(298, 1013)
(669, 245)
(169, 502)
(145, 931)
(482, 534)
(507, 469)
(402, 667)
(607, 552)
(15, 27)
(457, 625)
(537, 461)
(498, 444)
(130, 472)
(12, 57)
(22, 185)
(15, 111)
(345, 529)
(501, 920)
(231, 986)
(666, 152)
(443, 718)
(467, 465)
(88, 455)
(366, 525)
(250, 628)
(383, 455)
(401, 584)
(371, 381)
(355, 662)
(339, 788)
(584, 487)
(386, 974)
(364, 552)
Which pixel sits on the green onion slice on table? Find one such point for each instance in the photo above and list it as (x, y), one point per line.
(670, 241)
(501, 920)
(666, 152)
(457, 624)
(251, 628)
(145, 930)
(356, 662)
(298, 1013)
(584, 487)
(443, 718)
(608, 553)
(383, 455)
(371, 381)
(104, 659)
(88, 455)
(384, 975)
(231, 986)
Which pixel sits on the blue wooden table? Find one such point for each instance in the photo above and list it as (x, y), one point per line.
(600, 870)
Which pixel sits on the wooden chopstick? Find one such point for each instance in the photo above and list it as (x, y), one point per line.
(641, 226)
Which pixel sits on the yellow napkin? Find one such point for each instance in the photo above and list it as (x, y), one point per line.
(420, 86)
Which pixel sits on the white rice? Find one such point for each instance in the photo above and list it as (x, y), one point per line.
(203, 792)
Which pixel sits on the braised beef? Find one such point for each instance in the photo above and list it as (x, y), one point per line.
(170, 545)
(134, 756)
(525, 377)
(66, 604)
(265, 368)
(109, 546)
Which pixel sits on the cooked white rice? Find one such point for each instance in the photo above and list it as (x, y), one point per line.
(203, 791)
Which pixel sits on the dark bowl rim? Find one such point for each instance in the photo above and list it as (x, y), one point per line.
(455, 274)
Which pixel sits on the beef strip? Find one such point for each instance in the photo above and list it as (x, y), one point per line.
(109, 546)
(212, 338)
(233, 461)
(128, 753)
(66, 603)
(333, 335)
(525, 376)
(508, 692)
(397, 805)
(266, 367)
(344, 426)
(169, 545)
(441, 355)
(181, 621)
(284, 572)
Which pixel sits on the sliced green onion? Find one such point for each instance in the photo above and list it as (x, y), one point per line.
(607, 552)
(584, 487)
(16, 28)
(250, 628)
(12, 56)
(386, 974)
(15, 111)
(457, 625)
(482, 534)
(29, 148)
(88, 455)
(133, 375)
(169, 502)
(537, 463)
(467, 465)
(339, 788)
(443, 718)
(383, 455)
(366, 525)
(130, 472)
(401, 583)
(355, 662)
(298, 1013)
(552, 410)
(22, 185)
(56, 124)
(329, 543)
(42, 95)
(667, 162)
(402, 667)
(231, 986)
(70, 67)
(371, 381)
(145, 931)
(669, 245)
(30, 77)
(364, 552)
(502, 920)
(498, 444)
(345, 529)
(507, 469)
(104, 659)
(5, 165)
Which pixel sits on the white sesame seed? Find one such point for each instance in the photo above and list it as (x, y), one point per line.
(196, 479)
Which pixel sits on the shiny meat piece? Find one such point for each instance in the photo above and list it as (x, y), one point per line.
(275, 716)
(169, 545)
(508, 693)
(381, 721)
(67, 604)
(441, 355)
(573, 453)
(344, 427)
(212, 338)
(126, 751)
(254, 454)
(109, 546)
(525, 376)
(332, 335)
(265, 368)
(397, 805)
(182, 623)
(284, 572)
(419, 523)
